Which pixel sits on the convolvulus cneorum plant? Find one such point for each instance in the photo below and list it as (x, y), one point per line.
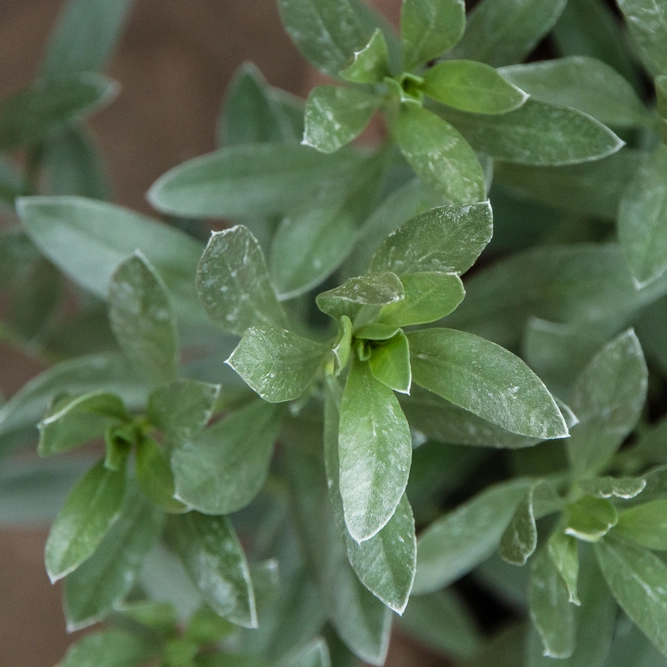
(407, 383)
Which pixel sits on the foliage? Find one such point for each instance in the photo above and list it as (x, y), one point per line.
(396, 367)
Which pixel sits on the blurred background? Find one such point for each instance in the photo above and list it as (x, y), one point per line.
(174, 62)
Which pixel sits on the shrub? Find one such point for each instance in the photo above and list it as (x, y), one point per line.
(313, 427)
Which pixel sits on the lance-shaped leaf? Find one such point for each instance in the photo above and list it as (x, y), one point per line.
(386, 562)
(638, 580)
(277, 364)
(485, 379)
(647, 23)
(371, 63)
(580, 283)
(142, 319)
(91, 508)
(607, 399)
(429, 296)
(642, 222)
(550, 609)
(429, 28)
(74, 165)
(459, 541)
(313, 240)
(88, 240)
(314, 654)
(33, 113)
(586, 84)
(537, 134)
(84, 37)
(360, 619)
(443, 421)
(74, 420)
(245, 180)
(645, 524)
(103, 581)
(618, 487)
(233, 282)
(155, 476)
(519, 540)
(502, 32)
(94, 372)
(447, 239)
(223, 468)
(251, 113)
(564, 554)
(471, 86)
(390, 363)
(111, 648)
(589, 519)
(336, 115)
(213, 558)
(375, 449)
(327, 35)
(181, 409)
(439, 155)
(376, 289)
(595, 188)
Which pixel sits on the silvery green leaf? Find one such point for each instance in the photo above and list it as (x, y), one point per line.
(471, 86)
(278, 364)
(446, 239)
(445, 422)
(326, 34)
(371, 63)
(590, 519)
(91, 509)
(31, 114)
(519, 540)
(647, 23)
(462, 539)
(582, 83)
(608, 487)
(468, 371)
(251, 112)
(429, 28)
(110, 648)
(536, 133)
(246, 180)
(440, 156)
(645, 524)
(375, 289)
(550, 609)
(71, 421)
(374, 448)
(608, 399)
(214, 560)
(359, 618)
(182, 409)
(233, 282)
(385, 563)
(564, 554)
(501, 32)
(103, 581)
(84, 37)
(221, 469)
(643, 219)
(142, 319)
(390, 363)
(88, 240)
(638, 580)
(336, 115)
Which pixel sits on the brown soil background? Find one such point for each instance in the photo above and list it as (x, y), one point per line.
(174, 62)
